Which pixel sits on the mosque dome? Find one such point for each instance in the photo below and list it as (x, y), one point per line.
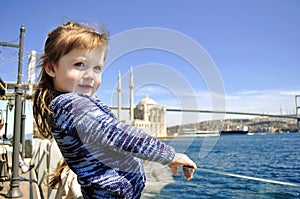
(147, 101)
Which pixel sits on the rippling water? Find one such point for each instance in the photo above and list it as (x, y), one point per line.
(268, 156)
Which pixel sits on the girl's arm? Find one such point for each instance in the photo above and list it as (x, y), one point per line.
(95, 124)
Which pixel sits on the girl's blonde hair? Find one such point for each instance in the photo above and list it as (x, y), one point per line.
(60, 42)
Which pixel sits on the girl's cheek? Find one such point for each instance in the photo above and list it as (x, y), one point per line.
(98, 78)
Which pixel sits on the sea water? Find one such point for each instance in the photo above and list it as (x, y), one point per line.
(264, 156)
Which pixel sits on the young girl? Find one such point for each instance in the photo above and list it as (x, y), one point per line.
(105, 154)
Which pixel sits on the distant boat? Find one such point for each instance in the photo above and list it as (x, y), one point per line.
(196, 133)
(233, 132)
(239, 131)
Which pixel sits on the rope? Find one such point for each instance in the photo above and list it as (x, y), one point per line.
(249, 177)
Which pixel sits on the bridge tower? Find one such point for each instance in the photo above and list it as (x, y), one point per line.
(297, 102)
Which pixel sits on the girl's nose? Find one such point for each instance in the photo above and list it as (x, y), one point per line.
(89, 73)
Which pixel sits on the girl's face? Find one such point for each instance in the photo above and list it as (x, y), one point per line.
(78, 71)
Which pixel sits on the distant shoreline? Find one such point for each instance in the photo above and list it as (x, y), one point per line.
(216, 135)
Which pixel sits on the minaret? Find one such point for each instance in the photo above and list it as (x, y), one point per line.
(119, 96)
(131, 86)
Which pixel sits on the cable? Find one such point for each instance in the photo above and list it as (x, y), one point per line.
(249, 177)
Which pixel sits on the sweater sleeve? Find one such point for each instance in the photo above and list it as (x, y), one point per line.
(94, 124)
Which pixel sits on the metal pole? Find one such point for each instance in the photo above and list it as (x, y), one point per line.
(5, 132)
(15, 191)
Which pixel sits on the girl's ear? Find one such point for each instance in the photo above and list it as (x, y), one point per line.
(49, 68)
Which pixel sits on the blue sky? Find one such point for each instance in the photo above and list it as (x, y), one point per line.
(253, 47)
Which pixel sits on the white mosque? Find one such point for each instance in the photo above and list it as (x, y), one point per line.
(147, 115)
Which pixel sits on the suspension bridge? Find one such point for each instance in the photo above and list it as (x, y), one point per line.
(290, 116)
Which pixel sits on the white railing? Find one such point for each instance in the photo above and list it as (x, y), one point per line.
(45, 157)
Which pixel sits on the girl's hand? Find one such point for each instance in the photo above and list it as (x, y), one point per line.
(189, 166)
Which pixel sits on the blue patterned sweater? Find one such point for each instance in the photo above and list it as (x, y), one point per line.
(104, 152)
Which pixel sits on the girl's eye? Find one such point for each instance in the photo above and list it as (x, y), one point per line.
(97, 69)
(79, 64)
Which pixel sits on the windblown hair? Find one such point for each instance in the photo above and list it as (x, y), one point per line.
(61, 41)
(55, 178)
